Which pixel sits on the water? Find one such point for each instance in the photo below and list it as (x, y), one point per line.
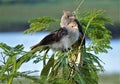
(111, 59)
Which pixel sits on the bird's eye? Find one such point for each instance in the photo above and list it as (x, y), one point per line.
(72, 26)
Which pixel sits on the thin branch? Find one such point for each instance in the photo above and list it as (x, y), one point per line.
(78, 7)
(86, 28)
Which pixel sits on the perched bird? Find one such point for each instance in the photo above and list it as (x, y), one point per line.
(62, 38)
(66, 18)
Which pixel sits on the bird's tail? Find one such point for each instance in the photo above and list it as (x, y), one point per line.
(35, 46)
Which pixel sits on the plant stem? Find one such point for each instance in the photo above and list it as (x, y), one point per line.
(78, 7)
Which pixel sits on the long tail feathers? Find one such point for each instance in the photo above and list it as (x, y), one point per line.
(34, 46)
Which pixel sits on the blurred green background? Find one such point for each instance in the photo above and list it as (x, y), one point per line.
(14, 16)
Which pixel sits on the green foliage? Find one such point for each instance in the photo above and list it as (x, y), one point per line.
(46, 69)
(94, 23)
(39, 24)
(9, 56)
(92, 65)
(12, 59)
(77, 66)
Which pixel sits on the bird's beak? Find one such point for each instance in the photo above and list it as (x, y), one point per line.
(72, 17)
(76, 28)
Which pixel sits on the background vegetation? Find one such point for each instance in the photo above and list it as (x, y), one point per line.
(14, 14)
(103, 79)
(21, 12)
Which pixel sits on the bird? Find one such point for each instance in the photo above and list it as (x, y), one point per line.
(61, 39)
(66, 18)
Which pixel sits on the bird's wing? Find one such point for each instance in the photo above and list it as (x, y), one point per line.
(54, 36)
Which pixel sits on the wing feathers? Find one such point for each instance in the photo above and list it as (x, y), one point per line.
(52, 37)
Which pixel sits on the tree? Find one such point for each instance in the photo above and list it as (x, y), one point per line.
(78, 66)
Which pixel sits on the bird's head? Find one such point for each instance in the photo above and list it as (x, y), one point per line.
(66, 18)
(67, 14)
(73, 25)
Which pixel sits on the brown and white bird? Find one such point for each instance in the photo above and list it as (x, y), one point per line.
(62, 38)
(66, 18)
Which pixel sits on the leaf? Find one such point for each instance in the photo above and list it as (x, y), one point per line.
(40, 24)
(13, 71)
(27, 56)
(78, 78)
(93, 23)
(5, 67)
(46, 68)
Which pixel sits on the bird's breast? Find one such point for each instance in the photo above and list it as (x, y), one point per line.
(66, 41)
(74, 36)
